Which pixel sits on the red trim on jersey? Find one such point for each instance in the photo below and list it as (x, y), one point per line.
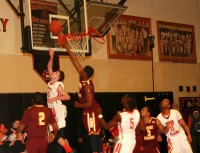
(51, 83)
(118, 148)
(130, 112)
(167, 115)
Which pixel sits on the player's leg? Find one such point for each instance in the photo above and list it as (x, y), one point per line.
(61, 113)
(123, 146)
(173, 145)
(95, 144)
(60, 139)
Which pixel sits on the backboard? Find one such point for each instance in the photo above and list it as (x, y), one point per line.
(75, 16)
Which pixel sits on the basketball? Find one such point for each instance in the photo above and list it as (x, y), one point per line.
(55, 27)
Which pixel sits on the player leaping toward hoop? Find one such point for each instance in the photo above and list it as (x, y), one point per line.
(87, 102)
(55, 94)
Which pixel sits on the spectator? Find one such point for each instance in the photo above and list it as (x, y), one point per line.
(12, 143)
(194, 126)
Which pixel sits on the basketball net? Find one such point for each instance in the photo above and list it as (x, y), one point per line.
(78, 42)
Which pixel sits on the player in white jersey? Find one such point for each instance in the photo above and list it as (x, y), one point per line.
(177, 140)
(127, 122)
(59, 110)
(55, 94)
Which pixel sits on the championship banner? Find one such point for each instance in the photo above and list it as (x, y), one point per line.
(40, 62)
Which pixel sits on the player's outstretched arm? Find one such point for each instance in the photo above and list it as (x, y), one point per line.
(73, 58)
(89, 90)
(162, 129)
(141, 125)
(112, 123)
(63, 95)
(186, 128)
(50, 63)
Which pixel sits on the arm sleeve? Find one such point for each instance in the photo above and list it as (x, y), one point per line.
(59, 83)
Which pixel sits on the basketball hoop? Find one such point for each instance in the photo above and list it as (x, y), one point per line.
(78, 41)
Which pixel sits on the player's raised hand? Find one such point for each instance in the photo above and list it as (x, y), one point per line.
(66, 44)
(51, 52)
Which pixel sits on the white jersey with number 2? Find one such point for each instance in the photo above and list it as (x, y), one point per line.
(129, 122)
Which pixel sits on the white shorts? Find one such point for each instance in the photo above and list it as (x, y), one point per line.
(51, 105)
(60, 112)
(179, 144)
(123, 146)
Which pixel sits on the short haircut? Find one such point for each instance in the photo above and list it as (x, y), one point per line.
(38, 98)
(149, 109)
(14, 120)
(132, 101)
(165, 100)
(89, 71)
(62, 76)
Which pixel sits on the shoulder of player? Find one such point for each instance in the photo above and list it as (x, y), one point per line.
(59, 83)
(56, 83)
(87, 82)
(174, 111)
(30, 107)
(159, 116)
(134, 111)
(155, 120)
(36, 107)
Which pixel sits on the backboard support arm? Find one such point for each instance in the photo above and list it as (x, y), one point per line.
(111, 14)
(68, 11)
(14, 8)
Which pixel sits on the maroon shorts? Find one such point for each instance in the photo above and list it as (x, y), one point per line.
(36, 145)
(150, 150)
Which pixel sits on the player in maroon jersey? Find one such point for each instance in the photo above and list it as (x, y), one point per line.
(151, 136)
(36, 119)
(87, 102)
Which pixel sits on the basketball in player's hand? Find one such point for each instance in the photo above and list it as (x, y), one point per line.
(55, 27)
